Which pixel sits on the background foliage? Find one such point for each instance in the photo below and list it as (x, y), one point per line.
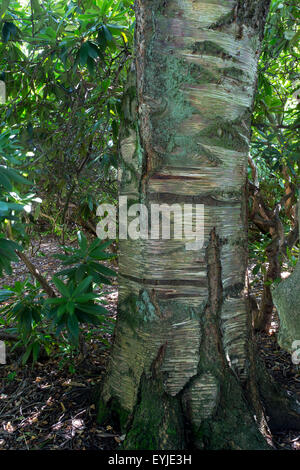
(275, 153)
(64, 65)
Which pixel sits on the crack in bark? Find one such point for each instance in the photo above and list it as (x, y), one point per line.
(173, 198)
(167, 282)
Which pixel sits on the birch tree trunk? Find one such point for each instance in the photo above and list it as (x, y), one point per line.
(181, 373)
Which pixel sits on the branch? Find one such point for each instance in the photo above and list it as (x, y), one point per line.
(35, 273)
(253, 171)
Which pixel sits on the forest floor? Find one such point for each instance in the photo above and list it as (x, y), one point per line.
(51, 406)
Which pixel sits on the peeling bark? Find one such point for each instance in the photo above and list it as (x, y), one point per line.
(181, 371)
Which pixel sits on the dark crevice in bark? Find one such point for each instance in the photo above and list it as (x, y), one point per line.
(220, 429)
(234, 291)
(253, 13)
(207, 200)
(163, 282)
(112, 412)
(213, 49)
(215, 296)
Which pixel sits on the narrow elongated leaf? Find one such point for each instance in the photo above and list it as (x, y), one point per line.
(73, 327)
(94, 309)
(82, 286)
(103, 269)
(61, 286)
(85, 298)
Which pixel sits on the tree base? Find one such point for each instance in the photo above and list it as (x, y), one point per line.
(159, 422)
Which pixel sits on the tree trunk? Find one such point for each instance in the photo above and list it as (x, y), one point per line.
(182, 373)
(273, 272)
(287, 301)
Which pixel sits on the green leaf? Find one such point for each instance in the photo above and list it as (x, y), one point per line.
(9, 245)
(107, 33)
(99, 278)
(95, 244)
(26, 354)
(15, 176)
(256, 269)
(104, 6)
(70, 307)
(93, 50)
(103, 270)
(82, 286)
(73, 327)
(101, 39)
(91, 65)
(5, 295)
(80, 272)
(61, 286)
(35, 351)
(3, 207)
(56, 301)
(83, 54)
(61, 311)
(116, 29)
(37, 9)
(90, 318)
(82, 240)
(9, 30)
(99, 254)
(4, 7)
(4, 181)
(85, 298)
(94, 309)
